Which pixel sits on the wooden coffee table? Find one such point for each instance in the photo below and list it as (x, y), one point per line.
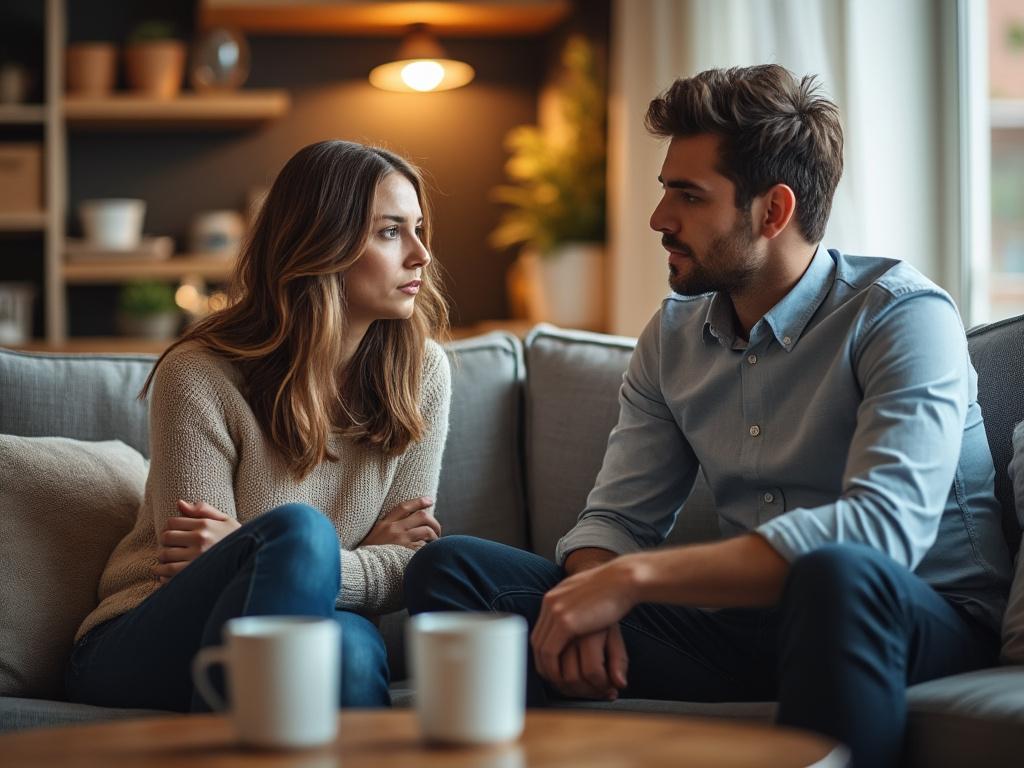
(391, 738)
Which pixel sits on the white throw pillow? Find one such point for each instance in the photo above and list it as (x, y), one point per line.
(64, 505)
(1013, 622)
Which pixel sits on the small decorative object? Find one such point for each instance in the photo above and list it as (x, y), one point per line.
(91, 68)
(557, 203)
(220, 60)
(16, 312)
(112, 223)
(146, 308)
(217, 232)
(155, 60)
(21, 177)
(15, 81)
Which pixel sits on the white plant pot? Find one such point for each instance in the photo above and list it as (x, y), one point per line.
(565, 286)
(114, 223)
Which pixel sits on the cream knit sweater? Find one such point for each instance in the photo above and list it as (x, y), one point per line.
(206, 445)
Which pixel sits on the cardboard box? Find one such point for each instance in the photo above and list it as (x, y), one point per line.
(21, 177)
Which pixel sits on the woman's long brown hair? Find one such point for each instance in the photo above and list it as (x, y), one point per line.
(286, 317)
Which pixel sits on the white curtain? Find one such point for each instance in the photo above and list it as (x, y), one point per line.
(881, 61)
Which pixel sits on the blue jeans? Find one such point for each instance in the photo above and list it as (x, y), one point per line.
(285, 562)
(851, 631)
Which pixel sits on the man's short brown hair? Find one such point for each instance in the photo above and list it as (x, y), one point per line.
(774, 129)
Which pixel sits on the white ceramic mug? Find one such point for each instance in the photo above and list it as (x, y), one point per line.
(469, 673)
(283, 678)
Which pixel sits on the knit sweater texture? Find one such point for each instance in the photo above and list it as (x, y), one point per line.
(206, 445)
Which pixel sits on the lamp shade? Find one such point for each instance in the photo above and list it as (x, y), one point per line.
(421, 66)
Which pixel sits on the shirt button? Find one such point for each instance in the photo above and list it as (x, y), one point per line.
(752, 359)
(769, 498)
(755, 430)
(786, 341)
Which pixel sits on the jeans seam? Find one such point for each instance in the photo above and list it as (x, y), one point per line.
(513, 592)
(259, 541)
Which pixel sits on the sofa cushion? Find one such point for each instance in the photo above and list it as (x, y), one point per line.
(1013, 621)
(17, 714)
(572, 385)
(974, 719)
(64, 505)
(87, 397)
(480, 493)
(996, 353)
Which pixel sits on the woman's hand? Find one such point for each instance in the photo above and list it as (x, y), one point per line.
(186, 538)
(410, 524)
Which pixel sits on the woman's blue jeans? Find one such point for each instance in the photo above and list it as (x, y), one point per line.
(851, 631)
(285, 562)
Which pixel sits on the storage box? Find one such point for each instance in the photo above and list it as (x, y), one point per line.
(21, 177)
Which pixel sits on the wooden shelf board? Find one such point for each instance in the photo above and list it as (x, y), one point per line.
(115, 271)
(483, 18)
(28, 221)
(1006, 113)
(125, 110)
(97, 344)
(22, 114)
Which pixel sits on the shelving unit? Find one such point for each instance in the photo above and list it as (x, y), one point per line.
(120, 112)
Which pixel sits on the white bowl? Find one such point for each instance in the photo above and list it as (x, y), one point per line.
(113, 222)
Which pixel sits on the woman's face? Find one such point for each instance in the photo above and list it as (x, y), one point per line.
(384, 281)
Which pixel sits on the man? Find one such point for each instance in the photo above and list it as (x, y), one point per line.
(831, 404)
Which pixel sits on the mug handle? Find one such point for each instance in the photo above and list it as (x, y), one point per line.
(206, 658)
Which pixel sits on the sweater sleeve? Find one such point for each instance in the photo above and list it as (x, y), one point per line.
(371, 576)
(192, 455)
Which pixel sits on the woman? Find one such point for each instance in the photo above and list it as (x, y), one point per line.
(295, 435)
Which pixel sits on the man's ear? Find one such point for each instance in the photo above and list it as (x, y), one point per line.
(774, 210)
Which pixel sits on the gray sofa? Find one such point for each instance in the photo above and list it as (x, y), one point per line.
(529, 423)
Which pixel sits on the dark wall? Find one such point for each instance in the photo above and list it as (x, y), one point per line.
(455, 136)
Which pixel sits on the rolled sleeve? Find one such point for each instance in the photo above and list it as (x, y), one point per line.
(912, 366)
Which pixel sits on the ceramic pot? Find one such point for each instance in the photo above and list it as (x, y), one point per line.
(155, 68)
(91, 69)
(564, 286)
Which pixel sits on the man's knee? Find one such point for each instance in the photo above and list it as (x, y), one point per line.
(435, 566)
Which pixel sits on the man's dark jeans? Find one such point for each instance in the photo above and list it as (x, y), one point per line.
(285, 562)
(851, 631)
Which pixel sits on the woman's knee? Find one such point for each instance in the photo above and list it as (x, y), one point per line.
(364, 664)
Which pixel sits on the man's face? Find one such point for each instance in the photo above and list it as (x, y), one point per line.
(711, 244)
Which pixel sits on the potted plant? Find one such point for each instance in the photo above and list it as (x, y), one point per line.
(155, 59)
(147, 309)
(556, 204)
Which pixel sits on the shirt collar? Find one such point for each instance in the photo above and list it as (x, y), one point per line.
(787, 319)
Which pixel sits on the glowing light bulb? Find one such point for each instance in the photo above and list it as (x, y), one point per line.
(423, 75)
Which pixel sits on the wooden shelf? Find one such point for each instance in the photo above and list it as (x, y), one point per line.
(189, 110)
(97, 344)
(483, 18)
(217, 268)
(1006, 113)
(29, 221)
(22, 114)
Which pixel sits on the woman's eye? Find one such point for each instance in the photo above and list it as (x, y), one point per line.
(390, 233)
(419, 232)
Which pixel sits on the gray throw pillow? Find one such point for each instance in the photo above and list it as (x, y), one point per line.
(64, 505)
(1013, 622)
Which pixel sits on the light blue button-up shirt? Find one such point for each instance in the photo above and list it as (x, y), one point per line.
(851, 415)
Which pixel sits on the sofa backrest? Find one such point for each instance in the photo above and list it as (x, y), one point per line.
(997, 351)
(93, 397)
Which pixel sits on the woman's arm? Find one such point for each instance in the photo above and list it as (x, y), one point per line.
(371, 575)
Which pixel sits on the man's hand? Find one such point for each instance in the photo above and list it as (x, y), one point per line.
(409, 524)
(186, 538)
(577, 644)
(594, 666)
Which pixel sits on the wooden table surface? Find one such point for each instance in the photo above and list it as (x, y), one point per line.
(391, 738)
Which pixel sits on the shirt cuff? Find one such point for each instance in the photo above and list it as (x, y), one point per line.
(595, 532)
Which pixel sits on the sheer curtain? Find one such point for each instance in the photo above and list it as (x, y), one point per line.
(884, 63)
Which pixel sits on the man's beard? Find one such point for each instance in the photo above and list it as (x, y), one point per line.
(729, 266)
